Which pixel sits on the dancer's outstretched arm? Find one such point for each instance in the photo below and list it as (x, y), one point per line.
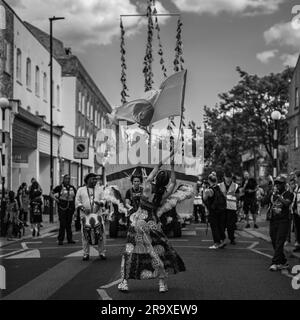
(157, 167)
(172, 185)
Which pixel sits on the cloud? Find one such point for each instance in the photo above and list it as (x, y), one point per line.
(289, 60)
(214, 7)
(88, 22)
(266, 56)
(283, 34)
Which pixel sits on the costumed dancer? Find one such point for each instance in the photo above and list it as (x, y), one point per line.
(88, 201)
(148, 253)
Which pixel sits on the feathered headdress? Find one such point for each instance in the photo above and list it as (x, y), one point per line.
(182, 193)
(112, 193)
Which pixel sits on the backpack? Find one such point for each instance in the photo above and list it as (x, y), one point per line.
(218, 201)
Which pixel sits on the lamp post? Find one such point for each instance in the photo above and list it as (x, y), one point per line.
(51, 113)
(275, 115)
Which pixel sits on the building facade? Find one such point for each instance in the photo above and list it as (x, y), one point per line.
(293, 118)
(83, 113)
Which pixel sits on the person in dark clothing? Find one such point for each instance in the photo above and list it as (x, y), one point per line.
(23, 202)
(133, 195)
(250, 201)
(230, 190)
(199, 210)
(216, 216)
(281, 200)
(296, 211)
(66, 207)
(36, 208)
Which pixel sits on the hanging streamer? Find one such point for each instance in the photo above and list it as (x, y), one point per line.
(148, 59)
(124, 92)
(160, 46)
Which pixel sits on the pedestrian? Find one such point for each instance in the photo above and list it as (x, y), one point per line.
(23, 202)
(230, 190)
(11, 215)
(64, 195)
(281, 200)
(148, 253)
(260, 193)
(215, 202)
(36, 185)
(199, 209)
(250, 201)
(296, 210)
(36, 208)
(88, 202)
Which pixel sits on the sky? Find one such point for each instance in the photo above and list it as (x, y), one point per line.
(218, 36)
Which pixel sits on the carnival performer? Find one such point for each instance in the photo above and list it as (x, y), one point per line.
(88, 201)
(148, 253)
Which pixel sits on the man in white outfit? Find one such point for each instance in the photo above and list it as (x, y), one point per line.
(88, 200)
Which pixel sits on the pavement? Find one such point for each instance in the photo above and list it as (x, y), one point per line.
(39, 269)
(263, 233)
(47, 228)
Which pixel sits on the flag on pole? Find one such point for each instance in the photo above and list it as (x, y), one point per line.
(159, 104)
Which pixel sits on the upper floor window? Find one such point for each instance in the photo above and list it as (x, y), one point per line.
(88, 110)
(28, 73)
(7, 57)
(296, 98)
(37, 81)
(45, 86)
(296, 138)
(79, 101)
(58, 97)
(19, 65)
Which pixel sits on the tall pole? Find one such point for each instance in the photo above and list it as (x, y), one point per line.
(275, 149)
(51, 113)
(51, 118)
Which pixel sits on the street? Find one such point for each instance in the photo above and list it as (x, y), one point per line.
(39, 269)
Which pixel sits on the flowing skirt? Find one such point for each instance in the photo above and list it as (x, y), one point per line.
(148, 253)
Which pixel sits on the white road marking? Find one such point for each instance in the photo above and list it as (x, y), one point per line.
(93, 253)
(103, 294)
(261, 253)
(244, 234)
(111, 284)
(12, 253)
(254, 244)
(34, 242)
(32, 254)
(189, 233)
(24, 245)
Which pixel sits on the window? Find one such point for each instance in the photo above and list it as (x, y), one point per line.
(45, 86)
(91, 112)
(296, 138)
(7, 57)
(37, 81)
(88, 110)
(19, 65)
(79, 131)
(96, 118)
(58, 97)
(28, 73)
(83, 104)
(296, 98)
(79, 101)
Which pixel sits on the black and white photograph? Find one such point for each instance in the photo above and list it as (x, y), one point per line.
(149, 153)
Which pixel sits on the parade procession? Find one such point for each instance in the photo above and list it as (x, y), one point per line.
(178, 180)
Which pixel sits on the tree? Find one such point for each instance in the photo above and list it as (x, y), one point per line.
(242, 120)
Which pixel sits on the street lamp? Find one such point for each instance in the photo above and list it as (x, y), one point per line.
(276, 116)
(51, 113)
